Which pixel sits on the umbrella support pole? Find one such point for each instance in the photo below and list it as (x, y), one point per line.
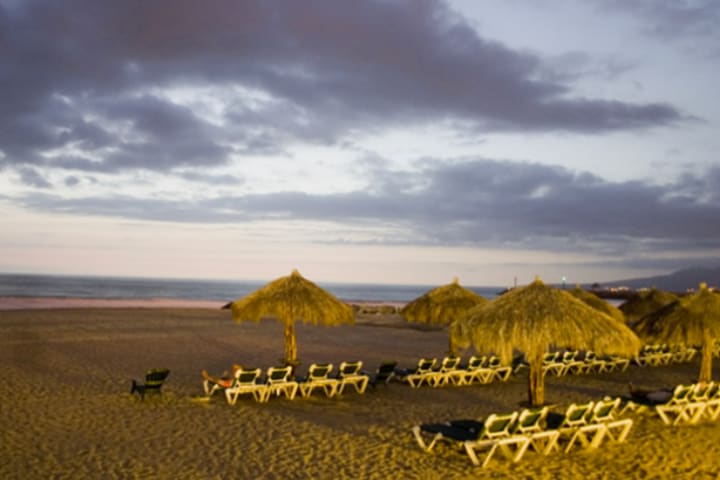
(706, 361)
(536, 382)
(290, 343)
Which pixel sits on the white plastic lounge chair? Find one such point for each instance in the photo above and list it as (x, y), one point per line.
(678, 408)
(572, 363)
(712, 404)
(654, 355)
(512, 447)
(478, 371)
(496, 436)
(593, 363)
(569, 423)
(495, 425)
(448, 372)
(278, 381)
(478, 438)
(606, 412)
(702, 392)
(318, 377)
(423, 373)
(616, 362)
(531, 423)
(552, 364)
(246, 382)
(349, 373)
(502, 372)
(682, 353)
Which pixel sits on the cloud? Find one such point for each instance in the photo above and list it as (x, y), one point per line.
(472, 202)
(107, 87)
(674, 20)
(30, 176)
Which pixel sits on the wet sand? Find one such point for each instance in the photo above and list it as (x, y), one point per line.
(66, 411)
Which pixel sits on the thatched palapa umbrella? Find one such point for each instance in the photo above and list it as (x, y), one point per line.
(442, 306)
(691, 320)
(645, 302)
(537, 317)
(597, 303)
(289, 299)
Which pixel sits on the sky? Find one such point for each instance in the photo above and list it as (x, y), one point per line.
(398, 141)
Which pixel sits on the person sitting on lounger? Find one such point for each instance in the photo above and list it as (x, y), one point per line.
(650, 396)
(225, 380)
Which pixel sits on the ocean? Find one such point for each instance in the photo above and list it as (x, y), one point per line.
(25, 285)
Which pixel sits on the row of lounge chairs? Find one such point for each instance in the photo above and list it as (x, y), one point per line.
(685, 404)
(279, 381)
(573, 362)
(513, 434)
(478, 369)
(660, 354)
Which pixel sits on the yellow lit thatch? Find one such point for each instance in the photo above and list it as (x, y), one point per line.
(535, 318)
(597, 303)
(442, 306)
(290, 299)
(645, 302)
(691, 320)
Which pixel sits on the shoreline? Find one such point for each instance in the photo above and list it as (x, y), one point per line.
(14, 303)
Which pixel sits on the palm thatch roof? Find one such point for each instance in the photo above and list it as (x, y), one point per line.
(442, 305)
(645, 302)
(691, 320)
(688, 320)
(537, 317)
(597, 303)
(293, 298)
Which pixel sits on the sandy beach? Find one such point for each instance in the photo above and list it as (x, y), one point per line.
(66, 412)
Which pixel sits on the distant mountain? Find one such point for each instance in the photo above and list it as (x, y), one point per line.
(679, 281)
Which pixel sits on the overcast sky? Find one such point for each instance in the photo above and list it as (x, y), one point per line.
(399, 141)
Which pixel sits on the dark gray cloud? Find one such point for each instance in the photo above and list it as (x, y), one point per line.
(470, 202)
(87, 85)
(30, 176)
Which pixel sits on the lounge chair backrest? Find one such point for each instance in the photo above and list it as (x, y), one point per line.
(577, 415)
(569, 356)
(155, 377)
(475, 362)
(349, 368)
(590, 356)
(279, 374)
(714, 391)
(449, 363)
(247, 377)
(494, 362)
(384, 373)
(498, 425)
(425, 364)
(701, 391)
(319, 370)
(604, 410)
(386, 368)
(681, 394)
(531, 420)
(550, 357)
